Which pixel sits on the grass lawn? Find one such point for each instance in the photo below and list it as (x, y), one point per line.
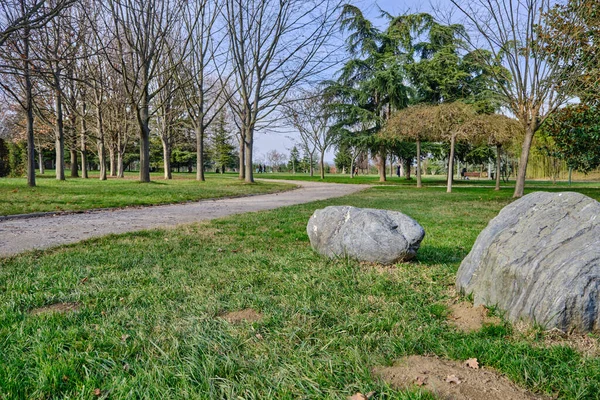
(149, 303)
(429, 180)
(85, 194)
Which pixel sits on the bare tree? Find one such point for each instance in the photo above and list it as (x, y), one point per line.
(142, 31)
(19, 19)
(31, 14)
(274, 45)
(275, 159)
(310, 117)
(56, 49)
(510, 30)
(203, 76)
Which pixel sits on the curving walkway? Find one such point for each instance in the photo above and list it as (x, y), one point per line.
(19, 235)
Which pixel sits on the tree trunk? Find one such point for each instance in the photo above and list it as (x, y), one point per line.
(102, 159)
(407, 163)
(28, 105)
(73, 133)
(59, 132)
(382, 157)
(451, 164)
(242, 163)
(112, 160)
(144, 140)
(570, 175)
(200, 153)
(83, 151)
(100, 143)
(248, 143)
(167, 157)
(522, 173)
(419, 183)
(322, 164)
(352, 168)
(41, 161)
(391, 165)
(120, 169)
(310, 164)
(498, 163)
(74, 165)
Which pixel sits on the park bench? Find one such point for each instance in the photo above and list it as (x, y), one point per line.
(472, 174)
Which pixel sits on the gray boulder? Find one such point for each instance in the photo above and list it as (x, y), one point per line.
(364, 234)
(539, 260)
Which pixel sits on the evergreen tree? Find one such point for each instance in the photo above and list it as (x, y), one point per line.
(306, 162)
(343, 158)
(223, 150)
(294, 162)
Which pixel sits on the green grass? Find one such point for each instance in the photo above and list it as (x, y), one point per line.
(148, 326)
(429, 180)
(85, 194)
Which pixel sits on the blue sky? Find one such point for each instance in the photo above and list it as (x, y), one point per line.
(265, 142)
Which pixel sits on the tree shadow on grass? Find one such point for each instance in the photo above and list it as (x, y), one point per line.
(436, 255)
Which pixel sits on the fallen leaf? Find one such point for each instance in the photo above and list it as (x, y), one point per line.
(420, 380)
(259, 336)
(124, 338)
(65, 378)
(219, 250)
(453, 379)
(97, 392)
(84, 280)
(126, 367)
(472, 363)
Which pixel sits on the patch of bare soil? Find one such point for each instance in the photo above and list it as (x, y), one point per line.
(57, 307)
(451, 380)
(246, 315)
(467, 318)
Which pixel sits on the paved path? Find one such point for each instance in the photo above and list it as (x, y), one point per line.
(19, 235)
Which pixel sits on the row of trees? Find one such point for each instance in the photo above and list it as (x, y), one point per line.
(103, 75)
(109, 73)
(500, 77)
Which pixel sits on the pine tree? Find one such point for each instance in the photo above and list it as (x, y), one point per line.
(294, 162)
(223, 150)
(343, 158)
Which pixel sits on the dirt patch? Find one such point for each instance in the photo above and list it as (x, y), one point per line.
(467, 318)
(246, 315)
(57, 307)
(452, 380)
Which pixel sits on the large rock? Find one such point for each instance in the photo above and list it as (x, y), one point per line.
(539, 260)
(364, 234)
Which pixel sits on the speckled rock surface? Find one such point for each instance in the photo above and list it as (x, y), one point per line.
(539, 260)
(364, 234)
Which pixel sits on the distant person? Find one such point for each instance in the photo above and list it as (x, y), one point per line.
(398, 170)
(463, 174)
